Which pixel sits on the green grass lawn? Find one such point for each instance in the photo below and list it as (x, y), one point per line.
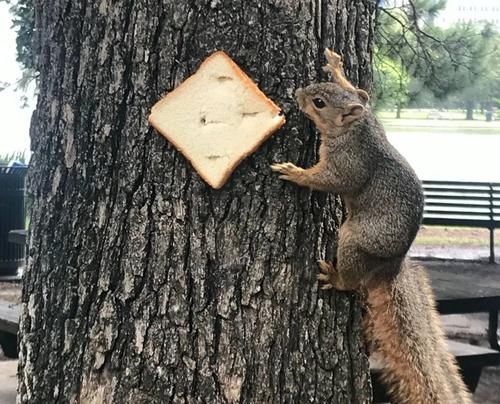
(409, 126)
(454, 236)
(451, 114)
(416, 121)
(415, 114)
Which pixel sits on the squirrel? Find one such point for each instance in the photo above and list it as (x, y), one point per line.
(384, 201)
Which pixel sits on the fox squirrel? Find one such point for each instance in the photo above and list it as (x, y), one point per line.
(384, 200)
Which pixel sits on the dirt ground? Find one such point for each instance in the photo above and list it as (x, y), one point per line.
(454, 236)
(10, 291)
(466, 244)
(456, 243)
(471, 329)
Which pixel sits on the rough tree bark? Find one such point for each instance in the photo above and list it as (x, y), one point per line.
(145, 285)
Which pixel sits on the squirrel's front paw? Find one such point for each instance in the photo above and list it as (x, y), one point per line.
(328, 275)
(288, 171)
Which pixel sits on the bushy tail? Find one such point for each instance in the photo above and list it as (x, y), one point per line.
(417, 367)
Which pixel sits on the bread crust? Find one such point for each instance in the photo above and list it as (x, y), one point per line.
(251, 86)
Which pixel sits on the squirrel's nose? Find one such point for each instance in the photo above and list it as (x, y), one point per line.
(299, 96)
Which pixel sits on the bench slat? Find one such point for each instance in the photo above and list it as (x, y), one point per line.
(18, 236)
(462, 203)
(470, 358)
(459, 214)
(466, 355)
(448, 221)
(443, 190)
(461, 197)
(447, 209)
(9, 317)
(459, 205)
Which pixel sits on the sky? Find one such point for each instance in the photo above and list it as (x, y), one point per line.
(15, 120)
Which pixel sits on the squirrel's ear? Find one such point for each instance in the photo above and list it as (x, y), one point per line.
(363, 95)
(350, 114)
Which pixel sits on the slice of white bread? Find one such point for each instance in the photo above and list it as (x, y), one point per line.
(216, 118)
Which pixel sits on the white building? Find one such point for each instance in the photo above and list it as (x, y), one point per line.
(461, 11)
(470, 11)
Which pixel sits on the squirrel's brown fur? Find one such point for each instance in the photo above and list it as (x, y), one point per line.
(418, 368)
(384, 200)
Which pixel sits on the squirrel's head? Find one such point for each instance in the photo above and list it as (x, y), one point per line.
(331, 106)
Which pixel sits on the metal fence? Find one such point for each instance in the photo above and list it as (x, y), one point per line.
(12, 216)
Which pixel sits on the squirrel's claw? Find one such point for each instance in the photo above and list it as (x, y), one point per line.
(327, 275)
(334, 66)
(276, 167)
(333, 59)
(326, 267)
(290, 171)
(282, 167)
(326, 281)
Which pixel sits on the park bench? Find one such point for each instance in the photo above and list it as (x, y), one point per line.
(12, 216)
(471, 360)
(465, 204)
(462, 287)
(468, 287)
(18, 236)
(9, 325)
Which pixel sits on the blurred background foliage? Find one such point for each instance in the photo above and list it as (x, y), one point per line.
(419, 64)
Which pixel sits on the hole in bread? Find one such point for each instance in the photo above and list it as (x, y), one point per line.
(214, 157)
(250, 113)
(205, 122)
(224, 78)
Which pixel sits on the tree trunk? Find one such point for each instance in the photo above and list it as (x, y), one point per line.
(469, 106)
(144, 285)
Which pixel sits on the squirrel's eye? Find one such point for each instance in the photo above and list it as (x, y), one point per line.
(319, 103)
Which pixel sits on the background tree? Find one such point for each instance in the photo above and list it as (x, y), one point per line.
(403, 42)
(484, 89)
(437, 61)
(145, 285)
(391, 84)
(23, 22)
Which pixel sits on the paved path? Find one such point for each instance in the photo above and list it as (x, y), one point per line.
(8, 381)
